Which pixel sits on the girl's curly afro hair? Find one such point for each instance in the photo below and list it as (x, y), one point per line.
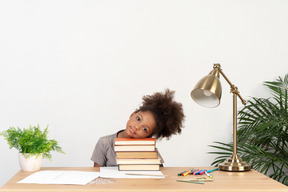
(168, 113)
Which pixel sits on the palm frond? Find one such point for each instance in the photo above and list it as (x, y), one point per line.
(279, 89)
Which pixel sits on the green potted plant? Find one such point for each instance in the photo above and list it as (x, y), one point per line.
(262, 136)
(32, 144)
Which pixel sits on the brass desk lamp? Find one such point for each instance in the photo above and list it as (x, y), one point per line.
(207, 93)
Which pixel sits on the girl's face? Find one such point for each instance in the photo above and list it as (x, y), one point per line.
(140, 125)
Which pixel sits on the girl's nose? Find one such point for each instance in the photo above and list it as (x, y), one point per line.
(137, 127)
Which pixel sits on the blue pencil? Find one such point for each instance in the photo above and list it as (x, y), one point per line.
(198, 173)
(212, 170)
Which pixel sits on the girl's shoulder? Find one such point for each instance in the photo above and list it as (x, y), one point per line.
(108, 139)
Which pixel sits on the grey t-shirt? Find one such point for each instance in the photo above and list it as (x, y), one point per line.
(104, 154)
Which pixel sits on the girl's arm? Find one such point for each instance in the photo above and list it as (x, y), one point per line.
(96, 165)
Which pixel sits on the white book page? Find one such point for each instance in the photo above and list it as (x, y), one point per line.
(113, 172)
(61, 177)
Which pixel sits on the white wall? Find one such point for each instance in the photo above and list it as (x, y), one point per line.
(82, 67)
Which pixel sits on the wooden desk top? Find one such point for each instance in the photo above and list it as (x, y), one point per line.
(223, 181)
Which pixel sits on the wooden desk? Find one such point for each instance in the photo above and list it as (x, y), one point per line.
(223, 181)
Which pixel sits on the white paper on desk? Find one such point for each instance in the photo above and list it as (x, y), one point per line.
(61, 177)
(113, 172)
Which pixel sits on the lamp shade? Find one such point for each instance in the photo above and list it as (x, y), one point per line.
(208, 90)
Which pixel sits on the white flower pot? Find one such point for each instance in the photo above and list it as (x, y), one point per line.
(31, 163)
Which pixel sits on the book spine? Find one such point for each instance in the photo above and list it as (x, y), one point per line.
(134, 148)
(156, 168)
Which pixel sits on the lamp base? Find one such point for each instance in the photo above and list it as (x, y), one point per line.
(234, 163)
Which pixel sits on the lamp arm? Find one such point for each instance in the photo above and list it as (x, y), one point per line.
(234, 89)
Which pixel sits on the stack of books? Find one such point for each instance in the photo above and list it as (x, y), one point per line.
(137, 154)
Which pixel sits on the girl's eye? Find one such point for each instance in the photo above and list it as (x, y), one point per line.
(145, 129)
(137, 118)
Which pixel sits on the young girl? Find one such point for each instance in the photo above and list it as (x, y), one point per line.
(159, 116)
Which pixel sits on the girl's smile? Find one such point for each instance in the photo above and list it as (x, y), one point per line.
(132, 131)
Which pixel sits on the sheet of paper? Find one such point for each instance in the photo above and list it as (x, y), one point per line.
(61, 177)
(113, 172)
